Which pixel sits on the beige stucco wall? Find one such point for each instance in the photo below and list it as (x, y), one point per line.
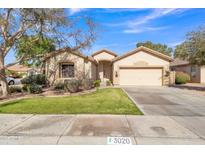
(82, 67)
(202, 74)
(139, 59)
(103, 56)
(187, 69)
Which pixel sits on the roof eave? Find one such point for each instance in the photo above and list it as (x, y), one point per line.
(104, 50)
(162, 56)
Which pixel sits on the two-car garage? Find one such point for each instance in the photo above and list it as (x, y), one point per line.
(141, 67)
(139, 76)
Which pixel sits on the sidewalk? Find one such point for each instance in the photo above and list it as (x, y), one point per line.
(94, 129)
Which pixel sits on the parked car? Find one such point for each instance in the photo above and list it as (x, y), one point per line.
(10, 80)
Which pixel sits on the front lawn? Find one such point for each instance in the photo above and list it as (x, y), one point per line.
(103, 101)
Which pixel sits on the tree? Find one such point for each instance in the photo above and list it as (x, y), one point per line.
(50, 23)
(33, 47)
(193, 48)
(158, 47)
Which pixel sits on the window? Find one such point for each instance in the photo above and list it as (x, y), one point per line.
(67, 70)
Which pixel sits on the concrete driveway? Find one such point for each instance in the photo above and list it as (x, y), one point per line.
(167, 101)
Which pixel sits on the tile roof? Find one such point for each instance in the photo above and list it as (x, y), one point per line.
(104, 50)
(19, 68)
(178, 62)
(142, 48)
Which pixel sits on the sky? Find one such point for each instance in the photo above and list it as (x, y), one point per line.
(119, 30)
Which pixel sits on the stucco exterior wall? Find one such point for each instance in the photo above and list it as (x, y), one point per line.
(139, 59)
(187, 69)
(202, 74)
(103, 56)
(81, 66)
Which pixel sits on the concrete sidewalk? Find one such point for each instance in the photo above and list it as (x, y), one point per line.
(94, 129)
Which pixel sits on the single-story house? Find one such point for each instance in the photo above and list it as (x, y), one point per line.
(22, 69)
(142, 66)
(197, 73)
(19, 68)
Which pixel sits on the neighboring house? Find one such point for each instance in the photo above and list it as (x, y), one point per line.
(19, 68)
(142, 66)
(197, 73)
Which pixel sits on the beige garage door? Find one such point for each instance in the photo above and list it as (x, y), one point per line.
(141, 76)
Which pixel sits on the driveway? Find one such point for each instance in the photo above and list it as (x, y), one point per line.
(167, 101)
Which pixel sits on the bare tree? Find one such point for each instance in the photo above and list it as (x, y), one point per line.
(52, 23)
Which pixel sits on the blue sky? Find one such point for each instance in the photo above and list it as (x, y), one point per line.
(121, 29)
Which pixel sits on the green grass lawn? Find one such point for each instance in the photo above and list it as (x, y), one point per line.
(103, 101)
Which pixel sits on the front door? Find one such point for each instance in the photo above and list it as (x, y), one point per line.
(105, 71)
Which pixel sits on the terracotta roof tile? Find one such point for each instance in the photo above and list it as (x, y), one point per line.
(19, 68)
(142, 48)
(178, 62)
(104, 50)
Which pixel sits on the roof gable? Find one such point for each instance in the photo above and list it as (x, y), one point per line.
(104, 50)
(60, 51)
(147, 50)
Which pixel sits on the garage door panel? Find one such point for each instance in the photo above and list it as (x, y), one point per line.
(141, 77)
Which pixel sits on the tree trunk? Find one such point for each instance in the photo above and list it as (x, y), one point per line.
(4, 86)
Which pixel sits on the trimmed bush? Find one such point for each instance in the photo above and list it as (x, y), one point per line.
(108, 83)
(39, 79)
(15, 89)
(34, 89)
(97, 83)
(59, 86)
(182, 78)
(24, 88)
(87, 84)
(33, 83)
(72, 85)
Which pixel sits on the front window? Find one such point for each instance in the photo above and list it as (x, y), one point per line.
(67, 70)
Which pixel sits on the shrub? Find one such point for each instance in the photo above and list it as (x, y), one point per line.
(108, 83)
(33, 83)
(24, 88)
(87, 84)
(39, 79)
(72, 85)
(27, 80)
(96, 83)
(15, 89)
(182, 78)
(34, 89)
(59, 86)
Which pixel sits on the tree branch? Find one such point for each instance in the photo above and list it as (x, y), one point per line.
(11, 64)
